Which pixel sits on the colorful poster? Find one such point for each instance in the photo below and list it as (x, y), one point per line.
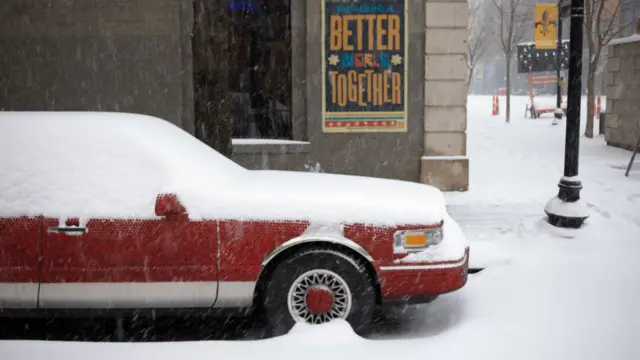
(364, 66)
(545, 34)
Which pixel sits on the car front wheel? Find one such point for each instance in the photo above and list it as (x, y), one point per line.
(315, 286)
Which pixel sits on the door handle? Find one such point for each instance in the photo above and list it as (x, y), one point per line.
(70, 229)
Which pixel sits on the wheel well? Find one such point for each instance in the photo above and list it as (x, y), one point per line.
(268, 270)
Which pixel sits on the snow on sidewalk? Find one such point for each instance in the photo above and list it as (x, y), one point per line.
(514, 171)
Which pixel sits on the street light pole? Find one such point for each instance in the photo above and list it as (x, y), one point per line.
(566, 210)
(558, 113)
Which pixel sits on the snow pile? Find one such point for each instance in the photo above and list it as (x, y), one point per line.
(335, 339)
(336, 332)
(556, 297)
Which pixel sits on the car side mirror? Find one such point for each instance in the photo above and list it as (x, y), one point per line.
(168, 204)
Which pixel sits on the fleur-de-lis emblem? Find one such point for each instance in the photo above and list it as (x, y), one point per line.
(544, 24)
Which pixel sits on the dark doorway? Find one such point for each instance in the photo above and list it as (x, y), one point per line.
(260, 68)
(210, 48)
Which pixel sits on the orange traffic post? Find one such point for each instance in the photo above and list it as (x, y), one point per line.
(598, 105)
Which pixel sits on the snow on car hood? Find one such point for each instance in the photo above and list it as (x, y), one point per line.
(318, 197)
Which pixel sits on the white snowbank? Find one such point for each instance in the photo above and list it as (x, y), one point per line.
(332, 333)
(335, 338)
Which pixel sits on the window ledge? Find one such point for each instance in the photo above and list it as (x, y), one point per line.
(269, 146)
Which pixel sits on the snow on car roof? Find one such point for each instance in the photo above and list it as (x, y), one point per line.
(97, 164)
(113, 165)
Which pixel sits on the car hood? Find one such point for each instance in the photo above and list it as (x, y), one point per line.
(320, 198)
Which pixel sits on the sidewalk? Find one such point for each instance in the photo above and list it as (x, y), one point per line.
(514, 171)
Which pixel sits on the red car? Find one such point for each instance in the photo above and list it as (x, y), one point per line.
(122, 211)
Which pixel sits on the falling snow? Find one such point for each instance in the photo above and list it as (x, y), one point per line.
(545, 293)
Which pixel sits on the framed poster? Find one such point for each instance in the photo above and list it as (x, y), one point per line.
(364, 66)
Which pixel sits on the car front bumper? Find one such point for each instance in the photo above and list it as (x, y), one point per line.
(422, 282)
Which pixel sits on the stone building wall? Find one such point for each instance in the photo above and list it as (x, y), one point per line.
(432, 151)
(101, 55)
(445, 163)
(622, 126)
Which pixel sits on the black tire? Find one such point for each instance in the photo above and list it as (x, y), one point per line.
(352, 271)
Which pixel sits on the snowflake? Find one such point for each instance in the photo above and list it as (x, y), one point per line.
(396, 59)
(334, 59)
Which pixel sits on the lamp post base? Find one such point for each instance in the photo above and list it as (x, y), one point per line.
(567, 210)
(558, 113)
(557, 116)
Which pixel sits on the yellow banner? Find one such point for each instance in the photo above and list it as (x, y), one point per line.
(545, 33)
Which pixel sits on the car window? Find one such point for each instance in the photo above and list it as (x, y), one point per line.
(187, 157)
(72, 166)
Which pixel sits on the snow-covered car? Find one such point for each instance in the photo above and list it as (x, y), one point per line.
(106, 211)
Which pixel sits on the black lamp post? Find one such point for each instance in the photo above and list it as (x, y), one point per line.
(562, 9)
(566, 210)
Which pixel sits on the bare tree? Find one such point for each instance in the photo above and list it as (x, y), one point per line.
(601, 26)
(478, 37)
(510, 21)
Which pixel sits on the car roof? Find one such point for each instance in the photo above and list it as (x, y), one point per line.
(103, 122)
(62, 115)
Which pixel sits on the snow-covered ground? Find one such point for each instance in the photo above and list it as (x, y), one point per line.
(514, 171)
(545, 294)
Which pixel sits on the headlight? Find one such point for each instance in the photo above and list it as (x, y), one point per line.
(416, 240)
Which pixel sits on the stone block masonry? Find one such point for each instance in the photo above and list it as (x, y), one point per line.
(445, 163)
(99, 55)
(622, 127)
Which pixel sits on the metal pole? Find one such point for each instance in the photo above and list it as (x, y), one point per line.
(572, 138)
(633, 157)
(558, 112)
(570, 185)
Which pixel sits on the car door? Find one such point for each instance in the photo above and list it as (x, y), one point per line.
(129, 263)
(104, 245)
(19, 261)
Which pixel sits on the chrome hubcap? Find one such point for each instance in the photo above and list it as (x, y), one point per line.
(318, 296)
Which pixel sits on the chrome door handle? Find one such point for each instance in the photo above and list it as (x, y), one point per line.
(69, 229)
